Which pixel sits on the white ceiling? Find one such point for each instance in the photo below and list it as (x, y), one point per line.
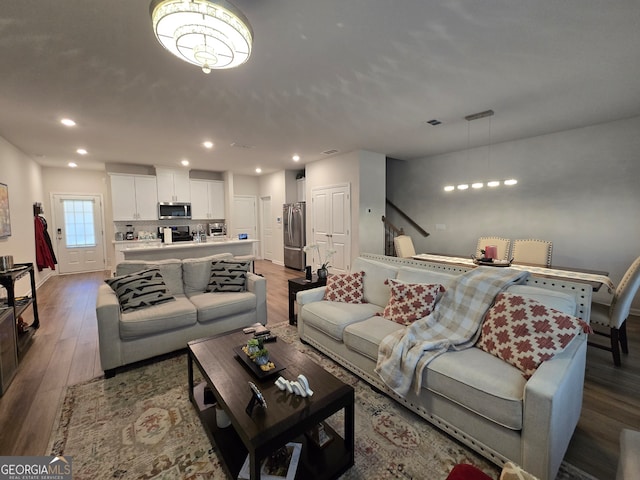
(330, 74)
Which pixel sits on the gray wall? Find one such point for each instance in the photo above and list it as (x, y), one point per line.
(577, 188)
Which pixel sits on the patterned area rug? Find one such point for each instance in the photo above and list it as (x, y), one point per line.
(141, 425)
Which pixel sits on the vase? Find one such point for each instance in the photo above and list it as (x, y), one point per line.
(322, 273)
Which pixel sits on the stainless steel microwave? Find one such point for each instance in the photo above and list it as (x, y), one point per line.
(171, 210)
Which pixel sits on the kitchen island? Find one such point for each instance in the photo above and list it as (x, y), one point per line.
(183, 250)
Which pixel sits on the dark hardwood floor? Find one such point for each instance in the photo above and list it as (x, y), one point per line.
(65, 352)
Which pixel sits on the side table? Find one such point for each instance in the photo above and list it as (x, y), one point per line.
(297, 285)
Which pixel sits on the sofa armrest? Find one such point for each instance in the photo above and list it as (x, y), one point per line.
(258, 286)
(309, 296)
(552, 405)
(108, 315)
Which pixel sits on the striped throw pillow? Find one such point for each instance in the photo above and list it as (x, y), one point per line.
(228, 276)
(140, 290)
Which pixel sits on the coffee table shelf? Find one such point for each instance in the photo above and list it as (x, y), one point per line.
(287, 417)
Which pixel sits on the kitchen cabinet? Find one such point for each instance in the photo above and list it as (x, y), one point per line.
(301, 187)
(173, 185)
(207, 200)
(134, 197)
(121, 246)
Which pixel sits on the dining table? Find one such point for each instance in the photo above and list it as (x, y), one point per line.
(596, 278)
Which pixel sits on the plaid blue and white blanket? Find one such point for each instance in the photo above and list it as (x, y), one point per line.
(454, 324)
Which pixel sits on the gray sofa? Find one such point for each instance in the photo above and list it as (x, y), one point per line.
(136, 335)
(476, 397)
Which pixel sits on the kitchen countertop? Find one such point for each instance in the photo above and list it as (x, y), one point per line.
(192, 244)
(181, 250)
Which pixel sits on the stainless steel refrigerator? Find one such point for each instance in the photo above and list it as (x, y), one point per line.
(293, 219)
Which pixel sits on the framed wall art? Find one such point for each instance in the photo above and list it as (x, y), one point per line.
(5, 219)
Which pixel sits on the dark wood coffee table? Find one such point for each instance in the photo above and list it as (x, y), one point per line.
(287, 416)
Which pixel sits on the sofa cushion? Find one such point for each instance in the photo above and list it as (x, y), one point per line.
(332, 318)
(481, 383)
(196, 272)
(214, 305)
(140, 290)
(364, 337)
(525, 332)
(420, 275)
(171, 270)
(345, 287)
(375, 273)
(228, 276)
(158, 319)
(410, 301)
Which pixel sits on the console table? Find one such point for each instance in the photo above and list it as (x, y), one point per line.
(8, 280)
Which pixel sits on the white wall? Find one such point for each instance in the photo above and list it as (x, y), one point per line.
(273, 186)
(24, 179)
(356, 168)
(577, 188)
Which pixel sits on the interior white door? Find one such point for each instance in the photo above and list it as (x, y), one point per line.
(331, 225)
(78, 233)
(267, 228)
(245, 216)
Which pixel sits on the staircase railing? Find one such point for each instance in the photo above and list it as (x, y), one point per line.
(391, 231)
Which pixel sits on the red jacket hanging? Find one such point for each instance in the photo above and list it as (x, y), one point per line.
(45, 258)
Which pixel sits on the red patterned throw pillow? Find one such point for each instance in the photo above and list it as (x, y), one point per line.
(345, 288)
(525, 333)
(410, 301)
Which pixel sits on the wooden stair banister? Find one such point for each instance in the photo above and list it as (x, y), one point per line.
(420, 230)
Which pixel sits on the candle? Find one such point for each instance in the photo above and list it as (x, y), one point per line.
(491, 251)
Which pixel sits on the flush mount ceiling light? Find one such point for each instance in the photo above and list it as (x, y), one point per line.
(209, 34)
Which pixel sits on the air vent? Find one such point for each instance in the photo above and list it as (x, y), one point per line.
(330, 152)
(434, 122)
(241, 145)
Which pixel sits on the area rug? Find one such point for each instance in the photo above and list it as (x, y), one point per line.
(140, 424)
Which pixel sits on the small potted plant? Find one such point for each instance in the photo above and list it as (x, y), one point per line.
(262, 357)
(253, 347)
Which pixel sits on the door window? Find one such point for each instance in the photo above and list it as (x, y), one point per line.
(79, 223)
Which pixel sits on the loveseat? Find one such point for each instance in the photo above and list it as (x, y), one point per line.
(481, 400)
(194, 312)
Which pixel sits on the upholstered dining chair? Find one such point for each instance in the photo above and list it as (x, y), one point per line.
(614, 316)
(404, 246)
(532, 251)
(503, 244)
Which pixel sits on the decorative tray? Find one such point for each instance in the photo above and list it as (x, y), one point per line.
(491, 263)
(255, 369)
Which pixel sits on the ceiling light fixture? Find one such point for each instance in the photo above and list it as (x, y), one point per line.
(209, 34)
(184, 163)
(296, 158)
(67, 122)
(258, 170)
(81, 151)
(72, 164)
(207, 144)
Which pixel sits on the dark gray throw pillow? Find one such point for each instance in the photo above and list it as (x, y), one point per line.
(228, 276)
(140, 290)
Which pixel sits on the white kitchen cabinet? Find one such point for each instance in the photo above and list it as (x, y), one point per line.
(301, 186)
(120, 247)
(207, 199)
(173, 185)
(134, 197)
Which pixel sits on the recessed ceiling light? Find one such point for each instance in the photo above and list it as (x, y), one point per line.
(72, 164)
(511, 181)
(258, 170)
(463, 186)
(477, 185)
(449, 188)
(207, 144)
(493, 183)
(184, 162)
(82, 151)
(296, 158)
(68, 122)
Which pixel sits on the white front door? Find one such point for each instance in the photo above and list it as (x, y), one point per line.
(331, 225)
(78, 233)
(244, 217)
(267, 228)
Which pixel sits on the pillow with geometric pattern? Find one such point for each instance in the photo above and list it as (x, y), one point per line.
(140, 290)
(410, 301)
(525, 333)
(228, 276)
(345, 288)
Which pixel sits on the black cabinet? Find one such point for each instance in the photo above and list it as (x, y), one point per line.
(8, 348)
